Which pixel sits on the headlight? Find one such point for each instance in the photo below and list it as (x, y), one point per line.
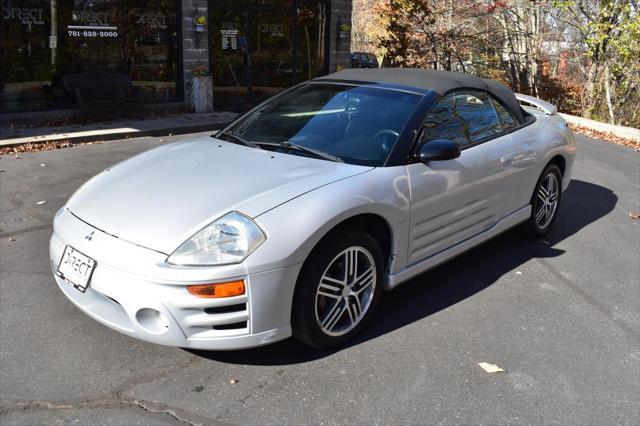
(229, 239)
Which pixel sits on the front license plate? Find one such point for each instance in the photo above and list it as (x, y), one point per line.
(76, 268)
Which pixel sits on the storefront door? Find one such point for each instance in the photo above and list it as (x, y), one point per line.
(230, 53)
(257, 51)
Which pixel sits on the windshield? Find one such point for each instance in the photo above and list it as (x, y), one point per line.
(357, 124)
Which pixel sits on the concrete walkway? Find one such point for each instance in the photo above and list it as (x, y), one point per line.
(117, 129)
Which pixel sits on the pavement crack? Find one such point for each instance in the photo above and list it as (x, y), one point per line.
(155, 409)
(118, 400)
(590, 300)
(153, 376)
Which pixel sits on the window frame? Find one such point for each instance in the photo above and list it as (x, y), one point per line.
(471, 144)
(494, 101)
(422, 130)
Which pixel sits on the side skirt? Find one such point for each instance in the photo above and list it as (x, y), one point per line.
(515, 218)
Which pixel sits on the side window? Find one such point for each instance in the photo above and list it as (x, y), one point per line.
(443, 122)
(506, 118)
(478, 115)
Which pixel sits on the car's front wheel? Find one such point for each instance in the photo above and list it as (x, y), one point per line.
(338, 289)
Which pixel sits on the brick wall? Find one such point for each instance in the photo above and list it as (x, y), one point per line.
(193, 53)
(339, 48)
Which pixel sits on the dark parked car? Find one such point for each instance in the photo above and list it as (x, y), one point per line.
(363, 60)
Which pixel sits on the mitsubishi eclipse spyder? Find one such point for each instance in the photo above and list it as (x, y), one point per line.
(297, 217)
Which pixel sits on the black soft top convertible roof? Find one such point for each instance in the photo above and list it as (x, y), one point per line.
(437, 81)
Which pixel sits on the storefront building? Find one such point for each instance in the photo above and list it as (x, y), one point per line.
(251, 49)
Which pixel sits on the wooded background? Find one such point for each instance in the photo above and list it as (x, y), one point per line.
(581, 55)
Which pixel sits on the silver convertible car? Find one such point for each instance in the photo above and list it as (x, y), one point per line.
(296, 218)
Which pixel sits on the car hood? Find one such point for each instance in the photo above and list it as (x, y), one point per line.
(160, 198)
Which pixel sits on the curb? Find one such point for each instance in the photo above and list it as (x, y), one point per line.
(7, 143)
(619, 131)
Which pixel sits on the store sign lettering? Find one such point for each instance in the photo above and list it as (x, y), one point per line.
(25, 15)
(153, 20)
(99, 19)
(274, 30)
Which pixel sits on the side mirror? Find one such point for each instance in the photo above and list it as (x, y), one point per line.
(437, 150)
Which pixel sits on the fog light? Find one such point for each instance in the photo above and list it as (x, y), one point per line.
(230, 289)
(152, 320)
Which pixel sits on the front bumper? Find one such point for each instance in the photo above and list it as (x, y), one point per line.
(143, 305)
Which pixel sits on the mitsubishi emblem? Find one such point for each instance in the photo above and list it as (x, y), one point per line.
(90, 236)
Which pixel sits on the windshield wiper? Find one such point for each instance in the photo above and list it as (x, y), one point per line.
(295, 147)
(286, 144)
(237, 139)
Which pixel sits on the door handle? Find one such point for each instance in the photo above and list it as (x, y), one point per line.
(506, 159)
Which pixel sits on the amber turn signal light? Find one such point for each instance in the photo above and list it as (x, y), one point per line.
(230, 289)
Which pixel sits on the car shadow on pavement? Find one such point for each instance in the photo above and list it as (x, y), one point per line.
(582, 204)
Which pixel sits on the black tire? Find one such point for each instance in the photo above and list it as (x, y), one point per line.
(532, 226)
(304, 321)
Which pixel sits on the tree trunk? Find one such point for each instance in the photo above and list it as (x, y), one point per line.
(590, 95)
(607, 89)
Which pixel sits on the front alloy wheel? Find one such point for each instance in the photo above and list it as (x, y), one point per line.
(338, 289)
(345, 291)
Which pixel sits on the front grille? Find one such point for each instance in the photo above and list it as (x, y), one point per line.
(210, 318)
(226, 309)
(234, 326)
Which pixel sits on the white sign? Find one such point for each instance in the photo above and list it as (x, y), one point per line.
(229, 39)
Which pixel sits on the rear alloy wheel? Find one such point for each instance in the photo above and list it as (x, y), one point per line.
(545, 201)
(338, 289)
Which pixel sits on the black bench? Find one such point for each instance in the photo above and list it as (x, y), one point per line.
(103, 92)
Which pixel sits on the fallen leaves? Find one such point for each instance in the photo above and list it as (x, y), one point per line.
(490, 368)
(34, 147)
(607, 137)
(40, 203)
(634, 215)
(233, 381)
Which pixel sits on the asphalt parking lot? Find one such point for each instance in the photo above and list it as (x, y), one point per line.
(561, 316)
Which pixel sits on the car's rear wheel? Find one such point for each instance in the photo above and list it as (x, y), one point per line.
(545, 202)
(338, 289)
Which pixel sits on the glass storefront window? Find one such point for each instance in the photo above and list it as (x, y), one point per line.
(41, 41)
(311, 25)
(259, 48)
(25, 58)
